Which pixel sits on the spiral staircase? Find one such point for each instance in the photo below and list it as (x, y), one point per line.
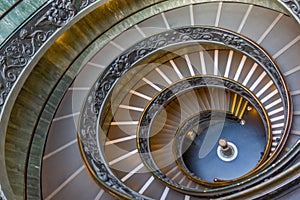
(153, 100)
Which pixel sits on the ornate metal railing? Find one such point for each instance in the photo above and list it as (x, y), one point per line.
(26, 45)
(103, 88)
(168, 94)
(20, 49)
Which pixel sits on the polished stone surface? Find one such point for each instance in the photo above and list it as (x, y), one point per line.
(250, 140)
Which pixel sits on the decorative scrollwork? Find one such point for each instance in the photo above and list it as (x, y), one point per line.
(294, 6)
(59, 14)
(103, 86)
(85, 3)
(23, 46)
(16, 56)
(17, 53)
(166, 96)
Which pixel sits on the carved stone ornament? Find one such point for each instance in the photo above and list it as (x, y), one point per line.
(88, 132)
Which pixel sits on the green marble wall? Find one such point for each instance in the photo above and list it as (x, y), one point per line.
(6, 5)
(16, 16)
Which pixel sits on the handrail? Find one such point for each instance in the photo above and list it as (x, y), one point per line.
(90, 122)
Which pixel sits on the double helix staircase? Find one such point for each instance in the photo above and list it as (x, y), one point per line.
(114, 148)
